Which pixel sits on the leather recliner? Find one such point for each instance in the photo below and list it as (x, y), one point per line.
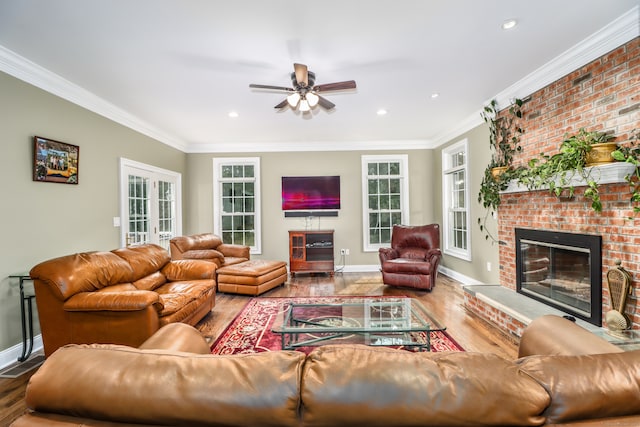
(413, 258)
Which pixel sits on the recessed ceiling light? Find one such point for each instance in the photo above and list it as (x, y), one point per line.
(381, 112)
(233, 114)
(509, 24)
(434, 95)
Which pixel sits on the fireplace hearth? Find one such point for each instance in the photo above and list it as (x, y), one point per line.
(562, 270)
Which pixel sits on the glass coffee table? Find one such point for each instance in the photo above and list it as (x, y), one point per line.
(370, 321)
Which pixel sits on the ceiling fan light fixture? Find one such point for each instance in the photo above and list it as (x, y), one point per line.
(304, 106)
(509, 24)
(293, 99)
(312, 99)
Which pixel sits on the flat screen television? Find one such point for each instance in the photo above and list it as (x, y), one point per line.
(314, 195)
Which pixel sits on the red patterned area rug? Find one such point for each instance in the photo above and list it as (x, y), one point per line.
(250, 331)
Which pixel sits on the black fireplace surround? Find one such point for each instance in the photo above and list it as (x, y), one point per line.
(562, 270)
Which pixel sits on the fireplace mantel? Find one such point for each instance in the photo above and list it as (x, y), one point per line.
(612, 173)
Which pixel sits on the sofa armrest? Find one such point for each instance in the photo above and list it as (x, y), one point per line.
(189, 269)
(386, 254)
(177, 337)
(555, 335)
(113, 301)
(236, 251)
(433, 254)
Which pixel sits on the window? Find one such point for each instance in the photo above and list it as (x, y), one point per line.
(456, 201)
(385, 197)
(236, 201)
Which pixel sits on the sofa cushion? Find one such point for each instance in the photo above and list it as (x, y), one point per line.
(413, 253)
(587, 386)
(407, 266)
(197, 241)
(91, 271)
(189, 269)
(205, 254)
(144, 259)
(176, 295)
(116, 383)
(150, 282)
(120, 287)
(359, 385)
(174, 302)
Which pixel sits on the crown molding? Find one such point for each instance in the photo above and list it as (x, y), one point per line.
(620, 31)
(305, 146)
(32, 73)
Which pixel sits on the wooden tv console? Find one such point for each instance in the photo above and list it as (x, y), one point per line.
(311, 251)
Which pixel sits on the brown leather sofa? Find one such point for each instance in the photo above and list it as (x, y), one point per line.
(119, 297)
(341, 385)
(208, 247)
(413, 258)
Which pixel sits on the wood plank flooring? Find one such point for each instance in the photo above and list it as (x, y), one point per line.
(445, 302)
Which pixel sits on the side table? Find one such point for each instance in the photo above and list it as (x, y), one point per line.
(27, 348)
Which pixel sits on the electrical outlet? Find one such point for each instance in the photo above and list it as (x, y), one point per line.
(344, 251)
(488, 266)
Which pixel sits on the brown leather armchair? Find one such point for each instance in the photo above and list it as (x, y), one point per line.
(413, 258)
(208, 247)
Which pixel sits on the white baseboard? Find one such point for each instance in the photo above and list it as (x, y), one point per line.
(357, 268)
(465, 280)
(366, 268)
(10, 355)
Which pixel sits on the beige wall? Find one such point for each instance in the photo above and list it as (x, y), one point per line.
(39, 220)
(482, 251)
(348, 224)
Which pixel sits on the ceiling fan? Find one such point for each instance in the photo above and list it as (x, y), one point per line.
(304, 95)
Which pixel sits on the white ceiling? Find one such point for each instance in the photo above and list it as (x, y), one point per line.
(174, 69)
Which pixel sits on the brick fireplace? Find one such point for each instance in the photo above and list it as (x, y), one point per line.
(604, 95)
(542, 211)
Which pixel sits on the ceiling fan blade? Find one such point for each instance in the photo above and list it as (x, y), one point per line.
(349, 84)
(269, 87)
(302, 74)
(325, 103)
(281, 105)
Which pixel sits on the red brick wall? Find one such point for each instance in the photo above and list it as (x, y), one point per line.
(605, 96)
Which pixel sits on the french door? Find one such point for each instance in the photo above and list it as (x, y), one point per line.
(150, 204)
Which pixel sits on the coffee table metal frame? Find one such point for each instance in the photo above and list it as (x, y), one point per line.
(381, 321)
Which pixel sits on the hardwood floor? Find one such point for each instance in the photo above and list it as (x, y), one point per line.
(445, 302)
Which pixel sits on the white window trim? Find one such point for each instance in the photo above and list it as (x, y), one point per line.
(155, 172)
(446, 199)
(217, 190)
(403, 159)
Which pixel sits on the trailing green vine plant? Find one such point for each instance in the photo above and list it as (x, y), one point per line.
(631, 154)
(505, 131)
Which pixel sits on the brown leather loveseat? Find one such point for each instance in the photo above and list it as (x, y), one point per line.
(119, 297)
(165, 383)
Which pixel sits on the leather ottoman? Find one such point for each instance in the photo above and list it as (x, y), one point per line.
(252, 277)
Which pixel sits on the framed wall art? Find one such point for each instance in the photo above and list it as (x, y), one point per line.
(55, 161)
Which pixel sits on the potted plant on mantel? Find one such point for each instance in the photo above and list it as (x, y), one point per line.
(505, 131)
(577, 153)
